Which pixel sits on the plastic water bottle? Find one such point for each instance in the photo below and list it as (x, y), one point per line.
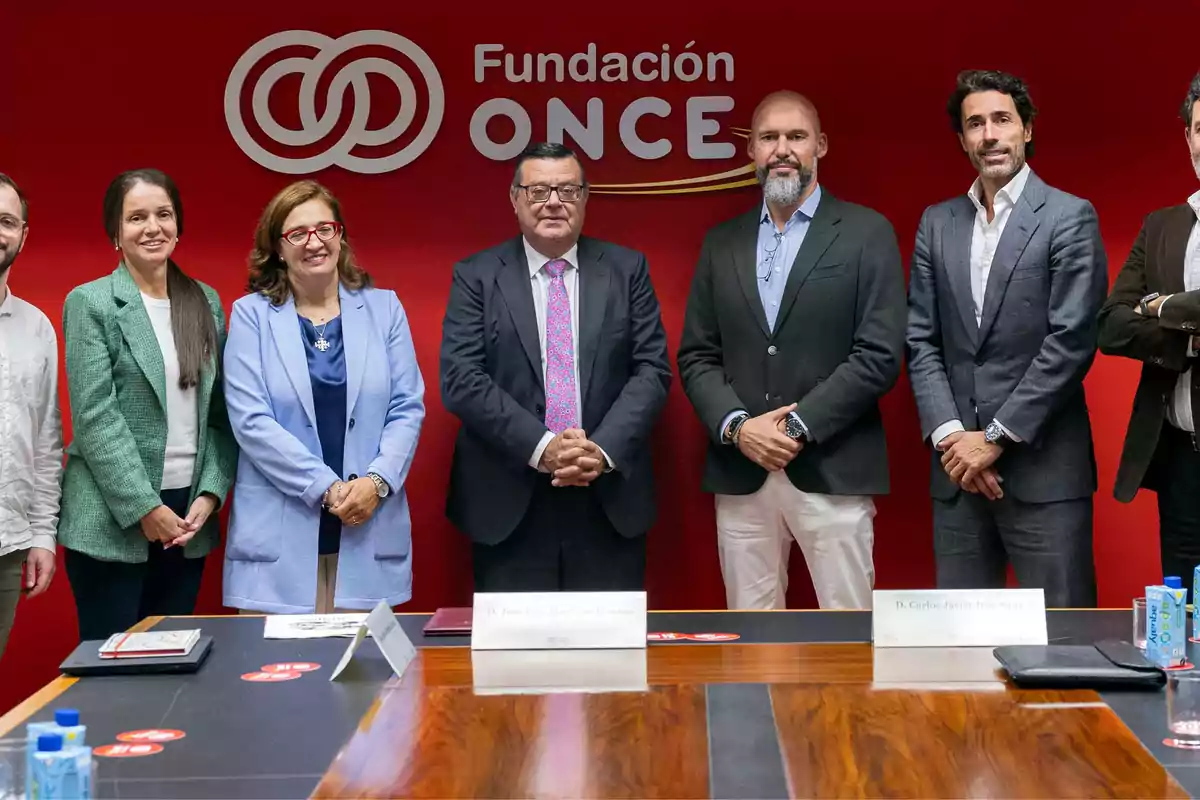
(65, 724)
(59, 773)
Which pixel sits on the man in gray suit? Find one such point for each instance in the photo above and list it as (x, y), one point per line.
(1005, 286)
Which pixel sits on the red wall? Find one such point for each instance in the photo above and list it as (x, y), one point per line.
(89, 93)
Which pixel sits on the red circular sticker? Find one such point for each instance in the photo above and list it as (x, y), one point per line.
(666, 637)
(270, 677)
(713, 637)
(151, 735)
(127, 750)
(298, 666)
(1181, 667)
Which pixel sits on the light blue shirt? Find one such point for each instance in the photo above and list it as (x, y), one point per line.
(777, 250)
(774, 256)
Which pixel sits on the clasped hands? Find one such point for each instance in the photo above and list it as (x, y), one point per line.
(353, 502)
(164, 525)
(763, 440)
(967, 458)
(573, 459)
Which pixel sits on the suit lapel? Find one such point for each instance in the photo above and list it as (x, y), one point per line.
(516, 287)
(285, 330)
(957, 258)
(593, 303)
(138, 332)
(1174, 258)
(822, 231)
(1017, 233)
(355, 330)
(745, 266)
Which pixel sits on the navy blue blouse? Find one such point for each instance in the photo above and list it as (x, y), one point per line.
(327, 371)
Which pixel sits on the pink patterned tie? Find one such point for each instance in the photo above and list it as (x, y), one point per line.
(560, 353)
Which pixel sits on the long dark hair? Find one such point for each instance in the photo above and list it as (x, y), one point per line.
(191, 317)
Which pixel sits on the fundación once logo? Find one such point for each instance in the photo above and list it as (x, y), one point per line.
(352, 76)
(492, 64)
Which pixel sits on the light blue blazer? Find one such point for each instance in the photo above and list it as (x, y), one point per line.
(271, 552)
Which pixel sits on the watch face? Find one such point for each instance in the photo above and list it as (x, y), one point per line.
(793, 428)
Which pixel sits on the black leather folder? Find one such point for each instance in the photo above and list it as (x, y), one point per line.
(1104, 665)
(85, 660)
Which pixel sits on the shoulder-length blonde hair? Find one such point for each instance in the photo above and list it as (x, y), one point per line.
(268, 272)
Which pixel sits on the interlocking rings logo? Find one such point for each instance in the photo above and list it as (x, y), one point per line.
(353, 75)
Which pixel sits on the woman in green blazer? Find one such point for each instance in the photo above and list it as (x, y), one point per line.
(152, 457)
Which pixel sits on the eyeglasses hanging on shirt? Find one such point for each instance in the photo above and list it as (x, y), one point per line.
(766, 267)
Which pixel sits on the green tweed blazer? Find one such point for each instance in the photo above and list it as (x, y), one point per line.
(117, 386)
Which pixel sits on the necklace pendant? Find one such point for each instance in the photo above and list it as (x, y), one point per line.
(322, 344)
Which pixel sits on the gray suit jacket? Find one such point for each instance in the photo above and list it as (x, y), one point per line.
(1024, 363)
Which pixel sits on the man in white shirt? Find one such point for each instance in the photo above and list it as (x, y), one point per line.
(555, 360)
(30, 427)
(1153, 316)
(1005, 286)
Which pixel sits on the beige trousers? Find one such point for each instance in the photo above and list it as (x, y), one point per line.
(10, 592)
(754, 539)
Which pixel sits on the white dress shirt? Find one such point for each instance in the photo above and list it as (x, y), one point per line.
(985, 238)
(1179, 410)
(540, 284)
(179, 460)
(30, 428)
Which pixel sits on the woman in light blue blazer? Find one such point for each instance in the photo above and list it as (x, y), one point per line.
(326, 401)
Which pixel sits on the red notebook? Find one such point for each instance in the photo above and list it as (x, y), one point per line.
(450, 622)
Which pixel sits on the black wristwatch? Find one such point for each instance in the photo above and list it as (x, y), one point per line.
(794, 428)
(1144, 304)
(994, 434)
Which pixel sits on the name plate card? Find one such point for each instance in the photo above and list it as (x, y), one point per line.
(958, 617)
(558, 620)
(382, 626)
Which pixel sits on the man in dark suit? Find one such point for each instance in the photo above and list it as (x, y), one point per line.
(1005, 284)
(1152, 316)
(555, 360)
(794, 329)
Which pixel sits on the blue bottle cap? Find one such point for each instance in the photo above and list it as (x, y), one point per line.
(67, 717)
(1173, 582)
(49, 743)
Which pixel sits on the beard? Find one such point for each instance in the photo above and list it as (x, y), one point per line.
(785, 190)
(1195, 166)
(1016, 160)
(7, 256)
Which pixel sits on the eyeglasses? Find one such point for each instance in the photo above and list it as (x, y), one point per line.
(325, 231)
(540, 192)
(767, 266)
(11, 225)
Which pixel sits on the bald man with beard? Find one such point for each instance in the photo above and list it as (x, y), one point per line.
(794, 330)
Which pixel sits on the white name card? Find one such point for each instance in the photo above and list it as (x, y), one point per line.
(958, 617)
(382, 626)
(558, 620)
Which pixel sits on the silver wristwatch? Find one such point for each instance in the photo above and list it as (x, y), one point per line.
(994, 434)
(381, 487)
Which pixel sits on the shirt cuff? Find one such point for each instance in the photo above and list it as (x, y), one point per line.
(608, 461)
(44, 541)
(944, 430)
(725, 423)
(536, 460)
(1007, 432)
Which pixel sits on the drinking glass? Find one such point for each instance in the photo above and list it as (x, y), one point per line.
(1183, 709)
(1139, 623)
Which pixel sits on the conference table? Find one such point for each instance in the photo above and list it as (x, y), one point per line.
(775, 704)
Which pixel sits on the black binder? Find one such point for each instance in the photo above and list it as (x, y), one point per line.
(1104, 665)
(85, 660)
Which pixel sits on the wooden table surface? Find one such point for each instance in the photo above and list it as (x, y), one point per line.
(826, 730)
(798, 707)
